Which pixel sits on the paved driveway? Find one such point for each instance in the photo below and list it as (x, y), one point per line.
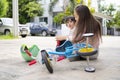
(13, 66)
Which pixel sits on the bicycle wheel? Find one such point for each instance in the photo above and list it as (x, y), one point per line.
(46, 60)
(87, 51)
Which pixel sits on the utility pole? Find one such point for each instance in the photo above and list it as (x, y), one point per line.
(15, 17)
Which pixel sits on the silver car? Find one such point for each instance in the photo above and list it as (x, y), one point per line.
(6, 27)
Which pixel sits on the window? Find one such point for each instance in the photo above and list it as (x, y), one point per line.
(42, 1)
(44, 19)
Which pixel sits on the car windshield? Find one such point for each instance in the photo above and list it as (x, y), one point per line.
(7, 21)
(42, 25)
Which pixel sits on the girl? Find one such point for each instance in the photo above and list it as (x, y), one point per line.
(70, 23)
(86, 23)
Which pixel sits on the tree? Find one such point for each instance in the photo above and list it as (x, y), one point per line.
(58, 18)
(69, 9)
(9, 12)
(102, 9)
(72, 4)
(110, 12)
(27, 10)
(92, 10)
(107, 10)
(3, 7)
(30, 10)
(117, 19)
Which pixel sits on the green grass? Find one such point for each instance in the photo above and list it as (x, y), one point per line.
(10, 36)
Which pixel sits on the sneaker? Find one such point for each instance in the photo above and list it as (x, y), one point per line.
(60, 58)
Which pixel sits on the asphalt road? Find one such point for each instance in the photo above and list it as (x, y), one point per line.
(14, 67)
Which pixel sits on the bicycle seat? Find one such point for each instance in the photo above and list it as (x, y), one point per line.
(88, 34)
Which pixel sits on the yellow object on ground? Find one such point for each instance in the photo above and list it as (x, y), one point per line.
(86, 50)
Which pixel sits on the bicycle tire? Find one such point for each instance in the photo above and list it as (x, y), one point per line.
(47, 62)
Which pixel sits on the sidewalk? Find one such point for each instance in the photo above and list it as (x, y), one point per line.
(13, 67)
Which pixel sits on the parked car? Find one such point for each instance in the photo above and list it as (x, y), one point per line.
(6, 27)
(23, 30)
(36, 29)
(44, 30)
(52, 31)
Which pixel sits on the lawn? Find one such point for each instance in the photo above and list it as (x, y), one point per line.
(7, 36)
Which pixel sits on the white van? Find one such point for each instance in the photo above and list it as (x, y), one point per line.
(6, 27)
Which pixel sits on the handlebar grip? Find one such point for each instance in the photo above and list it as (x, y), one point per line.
(32, 62)
(28, 52)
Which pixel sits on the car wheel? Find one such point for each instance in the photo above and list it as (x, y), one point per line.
(7, 32)
(52, 34)
(44, 33)
(32, 34)
(23, 36)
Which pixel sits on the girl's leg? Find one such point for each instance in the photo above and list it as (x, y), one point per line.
(68, 51)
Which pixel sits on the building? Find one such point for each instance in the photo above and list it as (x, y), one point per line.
(47, 17)
(101, 17)
(59, 7)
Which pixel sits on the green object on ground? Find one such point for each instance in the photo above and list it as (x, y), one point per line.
(33, 49)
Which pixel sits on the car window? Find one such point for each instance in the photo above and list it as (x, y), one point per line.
(43, 25)
(0, 22)
(33, 26)
(7, 20)
(36, 26)
(40, 26)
